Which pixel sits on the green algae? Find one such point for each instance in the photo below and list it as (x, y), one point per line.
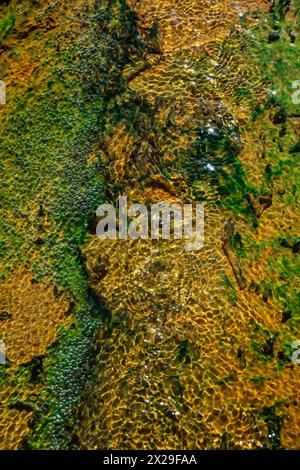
(51, 129)
(280, 62)
(53, 135)
(274, 422)
(79, 192)
(8, 22)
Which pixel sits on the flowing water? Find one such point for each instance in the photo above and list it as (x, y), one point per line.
(194, 349)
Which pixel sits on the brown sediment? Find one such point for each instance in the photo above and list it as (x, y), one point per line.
(176, 365)
(193, 354)
(31, 316)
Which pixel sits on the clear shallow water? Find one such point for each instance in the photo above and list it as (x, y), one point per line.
(189, 350)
